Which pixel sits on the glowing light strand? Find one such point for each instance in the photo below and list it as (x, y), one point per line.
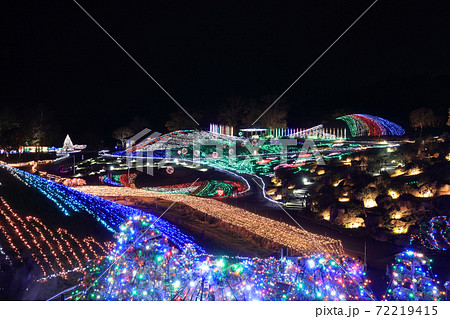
(151, 269)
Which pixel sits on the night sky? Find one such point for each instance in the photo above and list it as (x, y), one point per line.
(395, 59)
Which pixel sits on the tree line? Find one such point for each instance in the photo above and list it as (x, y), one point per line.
(42, 127)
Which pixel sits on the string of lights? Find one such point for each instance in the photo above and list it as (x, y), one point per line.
(107, 180)
(5, 256)
(150, 269)
(34, 239)
(434, 234)
(186, 188)
(31, 237)
(36, 221)
(109, 214)
(279, 232)
(411, 278)
(364, 124)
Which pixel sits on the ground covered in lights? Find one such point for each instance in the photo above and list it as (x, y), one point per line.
(55, 240)
(48, 233)
(146, 266)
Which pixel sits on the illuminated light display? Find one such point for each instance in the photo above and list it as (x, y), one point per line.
(221, 129)
(126, 180)
(393, 194)
(108, 213)
(5, 256)
(53, 237)
(202, 189)
(106, 179)
(22, 238)
(375, 124)
(82, 249)
(281, 233)
(364, 124)
(355, 224)
(373, 128)
(147, 142)
(214, 188)
(96, 243)
(73, 182)
(145, 267)
(412, 279)
(60, 232)
(350, 121)
(369, 203)
(400, 230)
(186, 188)
(434, 234)
(10, 241)
(252, 161)
(30, 236)
(115, 179)
(390, 127)
(426, 194)
(414, 171)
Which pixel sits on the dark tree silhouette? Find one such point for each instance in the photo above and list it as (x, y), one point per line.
(423, 117)
(232, 111)
(122, 133)
(275, 117)
(181, 121)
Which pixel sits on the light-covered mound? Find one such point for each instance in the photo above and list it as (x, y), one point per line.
(146, 266)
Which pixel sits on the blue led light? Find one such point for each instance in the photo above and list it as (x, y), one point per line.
(111, 215)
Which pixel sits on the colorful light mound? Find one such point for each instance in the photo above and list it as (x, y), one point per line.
(145, 267)
(111, 181)
(154, 138)
(208, 188)
(109, 214)
(370, 125)
(411, 278)
(284, 234)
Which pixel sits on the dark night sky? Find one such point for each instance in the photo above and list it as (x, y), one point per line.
(396, 58)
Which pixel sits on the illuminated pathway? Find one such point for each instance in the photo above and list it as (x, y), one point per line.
(281, 233)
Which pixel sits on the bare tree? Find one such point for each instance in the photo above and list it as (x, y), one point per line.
(38, 133)
(275, 117)
(251, 112)
(232, 111)
(181, 121)
(39, 128)
(423, 117)
(121, 134)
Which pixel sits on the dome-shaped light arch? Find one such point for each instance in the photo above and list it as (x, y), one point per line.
(370, 125)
